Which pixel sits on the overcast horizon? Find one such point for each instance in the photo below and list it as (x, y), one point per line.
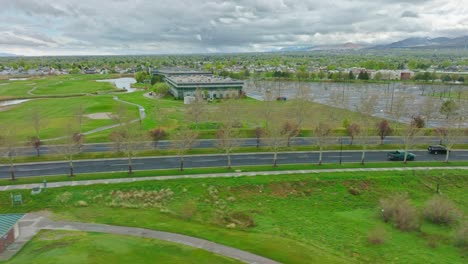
(38, 28)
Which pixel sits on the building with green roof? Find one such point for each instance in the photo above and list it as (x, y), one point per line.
(9, 229)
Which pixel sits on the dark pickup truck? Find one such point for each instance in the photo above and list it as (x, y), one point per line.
(437, 149)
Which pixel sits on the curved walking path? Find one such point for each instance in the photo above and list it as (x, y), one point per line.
(30, 92)
(216, 175)
(32, 223)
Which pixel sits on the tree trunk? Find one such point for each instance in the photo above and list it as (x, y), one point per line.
(447, 156)
(363, 156)
(258, 142)
(181, 163)
(405, 157)
(71, 168)
(275, 161)
(130, 164)
(381, 140)
(38, 151)
(229, 160)
(320, 156)
(12, 173)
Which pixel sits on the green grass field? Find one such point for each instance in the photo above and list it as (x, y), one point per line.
(55, 85)
(55, 113)
(81, 247)
(290, 218)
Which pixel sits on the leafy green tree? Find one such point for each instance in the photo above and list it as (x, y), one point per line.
(141, 76)
(448, 108)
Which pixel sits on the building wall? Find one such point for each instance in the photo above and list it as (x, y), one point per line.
(7, 239)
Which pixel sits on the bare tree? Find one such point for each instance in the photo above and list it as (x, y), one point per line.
(383, 130)
(322, 132)
(195, 111)
(290, 130)
(37, 123)
(366, 109)
(120, 115)
(259, 133)
(159, 114)
(353, 130)
(228, 132)
(301, 104)
(117, 137)
(274, 137)
(9, 143)
(79, 115)
(132, 142)
(36, 143)
(68, 147)
(156, 135)
(409, 133)
(452, 134)
(183, 140)
(428, 109)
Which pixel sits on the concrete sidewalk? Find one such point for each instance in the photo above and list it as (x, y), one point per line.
(32, 223)
(215, 175)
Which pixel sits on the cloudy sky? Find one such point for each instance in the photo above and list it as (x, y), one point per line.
(70, 27)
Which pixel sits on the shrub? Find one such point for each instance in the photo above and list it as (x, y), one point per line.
(82, 203)
(399, 209)
(407, 218)
(377, 236)
(64, 197)
(157, 134)
(461, 235)
(240, 219)
(354, 191)
(441, 210)
(389, 205)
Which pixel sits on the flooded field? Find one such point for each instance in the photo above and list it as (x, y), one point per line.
(394, 101)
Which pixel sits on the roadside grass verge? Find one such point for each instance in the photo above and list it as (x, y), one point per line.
(307, 218)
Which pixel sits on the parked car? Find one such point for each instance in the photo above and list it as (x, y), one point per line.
(437, 149)
(400, 155)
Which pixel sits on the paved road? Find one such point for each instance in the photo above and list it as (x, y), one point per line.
(32, 223)
(211, 143)
(169, 162)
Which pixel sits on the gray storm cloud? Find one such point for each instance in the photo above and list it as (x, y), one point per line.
(37, 27)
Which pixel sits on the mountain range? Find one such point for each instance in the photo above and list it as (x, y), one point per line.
(408, 43)
(7, 55)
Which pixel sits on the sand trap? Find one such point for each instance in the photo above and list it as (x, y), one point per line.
(105, 115)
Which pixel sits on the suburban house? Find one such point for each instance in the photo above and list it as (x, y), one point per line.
(9, 230)
(184, 83)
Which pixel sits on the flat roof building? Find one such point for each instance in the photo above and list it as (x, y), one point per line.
(178, 71)
(185, 82)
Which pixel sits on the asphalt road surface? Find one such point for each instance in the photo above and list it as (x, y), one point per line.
(149, 163)
(247, 142)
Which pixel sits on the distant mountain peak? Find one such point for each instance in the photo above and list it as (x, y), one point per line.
(7, 54)
(427, 42)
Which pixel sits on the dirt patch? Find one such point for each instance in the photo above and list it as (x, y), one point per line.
(104, 115)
